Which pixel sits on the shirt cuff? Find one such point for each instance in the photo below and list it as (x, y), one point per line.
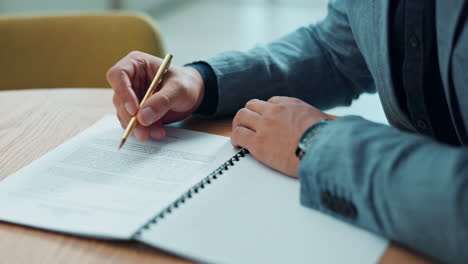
(210, 100)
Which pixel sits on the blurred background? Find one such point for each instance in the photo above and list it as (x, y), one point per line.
(194, 29)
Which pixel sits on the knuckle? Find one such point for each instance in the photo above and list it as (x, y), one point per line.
(235, 135)
(276, 109)
(236, 132)
(251, 102)
(241, 132)
(115, 100)
(140, 62)
(280, 108)
(239, 114)
(235, 121)
(112, 72)
(165, 100)
(134, 54)
(267, 122)
(121, 112)
(138, 58)
(243, 115)
(177, 82)
(242, 112)
(179, 87)
(293, 100)
(273, 99)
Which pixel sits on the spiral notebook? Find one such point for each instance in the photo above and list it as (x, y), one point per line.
(192, 194)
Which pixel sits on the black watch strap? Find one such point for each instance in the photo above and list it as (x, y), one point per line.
(308, 136)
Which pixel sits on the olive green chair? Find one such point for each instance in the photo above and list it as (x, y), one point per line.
(74, 50)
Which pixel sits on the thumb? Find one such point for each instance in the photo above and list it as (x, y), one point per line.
(156, 107)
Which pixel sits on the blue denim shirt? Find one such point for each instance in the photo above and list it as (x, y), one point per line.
(402, 185)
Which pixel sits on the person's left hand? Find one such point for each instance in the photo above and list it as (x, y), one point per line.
(271, 130)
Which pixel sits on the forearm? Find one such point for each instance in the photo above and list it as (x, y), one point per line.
(320, 64)
(407, 188)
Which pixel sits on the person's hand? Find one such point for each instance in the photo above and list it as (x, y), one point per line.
(271, 130)
(179, 95)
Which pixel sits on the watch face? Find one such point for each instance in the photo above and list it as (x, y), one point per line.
(305, 143)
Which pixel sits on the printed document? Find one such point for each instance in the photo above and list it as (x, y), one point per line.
(88, 187)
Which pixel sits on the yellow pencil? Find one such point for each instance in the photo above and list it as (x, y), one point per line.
(156, 81)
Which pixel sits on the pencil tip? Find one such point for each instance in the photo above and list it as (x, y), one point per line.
(122, 143)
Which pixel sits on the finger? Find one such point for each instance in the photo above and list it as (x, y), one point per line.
(157, 106)
(243, 137)
(257, 106)
(120, 82)
(119, 79)
(145, 67)
(246, 118)
(123, 115)
(157, 131)
(149, 62)
(283, 100)
(141, 133)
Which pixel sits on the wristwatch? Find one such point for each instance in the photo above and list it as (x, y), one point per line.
(307, 138)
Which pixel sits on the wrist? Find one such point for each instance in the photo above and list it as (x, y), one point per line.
(209, 102)
(197, 86)
(309, 136)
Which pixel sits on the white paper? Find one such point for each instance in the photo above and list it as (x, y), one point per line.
(252, 214)
(87, 187)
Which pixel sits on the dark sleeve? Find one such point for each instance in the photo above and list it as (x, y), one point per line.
(210, 99)
(320, 64)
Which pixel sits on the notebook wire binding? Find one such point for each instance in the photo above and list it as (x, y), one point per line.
(213, 176)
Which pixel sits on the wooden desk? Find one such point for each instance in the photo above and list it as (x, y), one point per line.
(34, 122)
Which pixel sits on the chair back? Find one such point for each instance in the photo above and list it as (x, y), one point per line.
(74, 50)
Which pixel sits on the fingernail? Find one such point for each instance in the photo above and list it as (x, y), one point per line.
(131, 108)
(148, 115)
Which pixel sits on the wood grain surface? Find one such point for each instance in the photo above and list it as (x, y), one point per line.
(33, 122)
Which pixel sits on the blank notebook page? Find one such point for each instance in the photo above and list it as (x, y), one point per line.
(252, 214)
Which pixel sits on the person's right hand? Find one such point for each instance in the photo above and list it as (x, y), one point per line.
(180, 93)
